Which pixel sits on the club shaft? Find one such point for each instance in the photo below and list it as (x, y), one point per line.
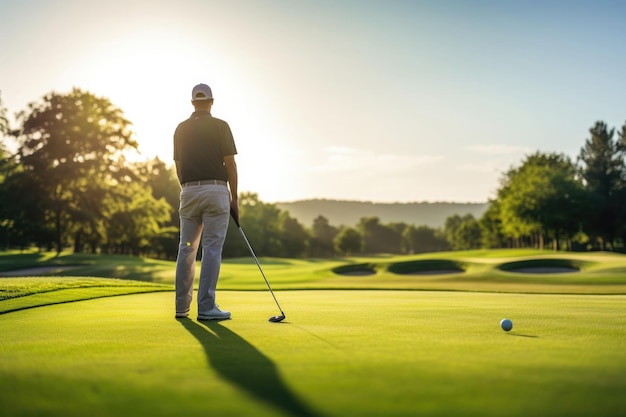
(260, 269)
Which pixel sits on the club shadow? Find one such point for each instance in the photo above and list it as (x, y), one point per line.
(246, 368)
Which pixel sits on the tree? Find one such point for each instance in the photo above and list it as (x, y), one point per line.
(451, 225)
(378, 238)
(394, 233)
(164, 184)
(348, 241)
(23, 218)
(72, 146)
(491, 227)
(462, 233)
(468, 235)
(134, 219)
(604, 174)
(622, 193)
(7, 165)
(4, 120)
(542, 198)
(514, 227)
(261, 222)
(322, 236)
(294, 236)
(422, 239)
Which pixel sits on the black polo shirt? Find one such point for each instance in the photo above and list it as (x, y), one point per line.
(200, 145)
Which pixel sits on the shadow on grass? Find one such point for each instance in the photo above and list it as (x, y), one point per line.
(17, 261)
(244, 366)
(263, 260)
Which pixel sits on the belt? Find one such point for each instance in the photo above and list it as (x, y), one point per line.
(204, 182)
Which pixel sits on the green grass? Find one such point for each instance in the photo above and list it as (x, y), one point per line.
(386, 344)
(21, 293)
(483, 271)
(341, 353)
(600, 273)
(109, 266)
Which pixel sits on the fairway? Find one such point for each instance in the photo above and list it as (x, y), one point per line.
(338, 353)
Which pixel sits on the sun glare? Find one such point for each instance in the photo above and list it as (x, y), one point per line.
(149, 74)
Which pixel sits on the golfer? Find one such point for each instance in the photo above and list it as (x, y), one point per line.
(204, 153)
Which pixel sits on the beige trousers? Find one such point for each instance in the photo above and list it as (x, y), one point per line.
(204, 211)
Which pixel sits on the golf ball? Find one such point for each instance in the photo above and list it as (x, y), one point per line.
(506, 324)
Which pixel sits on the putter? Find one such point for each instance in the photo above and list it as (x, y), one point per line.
(273, 319)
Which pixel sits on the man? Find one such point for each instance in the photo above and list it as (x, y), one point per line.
(204, 153)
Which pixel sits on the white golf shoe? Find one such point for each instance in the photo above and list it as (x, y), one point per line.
(214, 314)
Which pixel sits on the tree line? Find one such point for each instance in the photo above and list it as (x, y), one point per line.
(68, 184)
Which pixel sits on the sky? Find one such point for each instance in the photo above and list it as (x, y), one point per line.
(382, 101)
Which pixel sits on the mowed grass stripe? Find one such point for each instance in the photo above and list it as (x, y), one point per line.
(21, 293)
(69, 296)
(340, 353)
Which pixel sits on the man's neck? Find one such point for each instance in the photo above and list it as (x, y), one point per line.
(203, 108)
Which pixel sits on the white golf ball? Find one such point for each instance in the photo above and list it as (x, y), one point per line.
(506, 324)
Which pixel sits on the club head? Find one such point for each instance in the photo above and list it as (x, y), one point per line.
(277, 319)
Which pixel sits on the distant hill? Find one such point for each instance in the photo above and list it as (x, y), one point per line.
(348, 213)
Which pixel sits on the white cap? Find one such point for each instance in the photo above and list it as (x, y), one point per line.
(201, 92)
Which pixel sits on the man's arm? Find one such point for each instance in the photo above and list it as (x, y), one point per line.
(231, 170)
(178, 171)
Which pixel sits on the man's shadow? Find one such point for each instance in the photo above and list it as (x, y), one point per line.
(240, 363)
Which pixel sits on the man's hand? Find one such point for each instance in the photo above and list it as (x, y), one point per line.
(234, 212)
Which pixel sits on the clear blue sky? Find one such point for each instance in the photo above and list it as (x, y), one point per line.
(358, 100)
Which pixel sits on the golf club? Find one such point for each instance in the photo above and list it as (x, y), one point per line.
(273, 319)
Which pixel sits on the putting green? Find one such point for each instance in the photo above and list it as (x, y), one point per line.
(338, 353)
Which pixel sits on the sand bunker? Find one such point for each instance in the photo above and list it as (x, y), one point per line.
(357, 273)
(427, 267)
(541, 266)
(435, 272)
(355, 270)
(545, 270)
